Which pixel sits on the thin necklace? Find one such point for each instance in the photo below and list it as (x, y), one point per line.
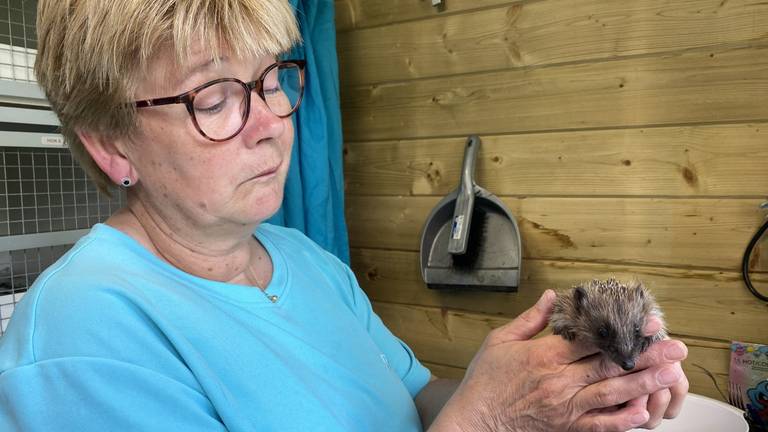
(259, 285)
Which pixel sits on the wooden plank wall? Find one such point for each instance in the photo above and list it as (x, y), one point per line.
(628, 138)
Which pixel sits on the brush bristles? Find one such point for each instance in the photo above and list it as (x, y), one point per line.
(475, 240)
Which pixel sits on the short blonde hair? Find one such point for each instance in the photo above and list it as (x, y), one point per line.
(92, 53)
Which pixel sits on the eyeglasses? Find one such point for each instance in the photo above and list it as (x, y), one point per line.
(220, 108)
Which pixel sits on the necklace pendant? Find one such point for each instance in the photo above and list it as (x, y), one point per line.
(273, 298)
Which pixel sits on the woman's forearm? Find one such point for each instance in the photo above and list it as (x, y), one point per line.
(433, 397)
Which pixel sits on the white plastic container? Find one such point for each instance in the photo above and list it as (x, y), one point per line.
(703, 414)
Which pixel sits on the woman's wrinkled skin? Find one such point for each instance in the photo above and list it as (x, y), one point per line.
(548, 384)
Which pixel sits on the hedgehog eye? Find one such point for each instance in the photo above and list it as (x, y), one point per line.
(602, 332)
(637, 328)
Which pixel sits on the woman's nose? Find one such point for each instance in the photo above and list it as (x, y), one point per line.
(262, 123)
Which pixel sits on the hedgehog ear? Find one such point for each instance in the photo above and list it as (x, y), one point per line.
(579, 294)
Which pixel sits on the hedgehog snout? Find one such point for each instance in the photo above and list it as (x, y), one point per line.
(627, 364)
(623, 355)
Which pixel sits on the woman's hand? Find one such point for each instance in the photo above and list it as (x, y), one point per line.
(549, 384)
(666, 403)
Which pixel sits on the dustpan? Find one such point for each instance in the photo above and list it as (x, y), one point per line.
(458, 252)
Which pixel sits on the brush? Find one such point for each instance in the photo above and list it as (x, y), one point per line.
(475, 240)
(469, 220)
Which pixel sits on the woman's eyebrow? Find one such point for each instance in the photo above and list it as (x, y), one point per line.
(199, 67)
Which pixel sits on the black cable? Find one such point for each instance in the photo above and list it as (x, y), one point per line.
(745, 261)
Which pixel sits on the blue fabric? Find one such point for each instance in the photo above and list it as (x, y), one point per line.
(314, 190)
(112, 338)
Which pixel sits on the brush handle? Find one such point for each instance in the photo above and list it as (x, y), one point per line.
(465, 200)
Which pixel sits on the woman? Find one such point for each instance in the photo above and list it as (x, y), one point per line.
(184, 312)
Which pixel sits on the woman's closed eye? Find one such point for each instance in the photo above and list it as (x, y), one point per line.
(273, 90)
(211, 108)
(213, 99)
(271, 84)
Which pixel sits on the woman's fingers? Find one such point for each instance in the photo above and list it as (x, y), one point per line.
(640, 402)
(597, 368)
(621, 419)
(617, 390)
(564, 352)
(657, 406)
(677, 394)
(653, 325)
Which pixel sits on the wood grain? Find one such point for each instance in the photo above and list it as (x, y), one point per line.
(352, 14)
(692, 233)
(713, 160)
(692, 300)
(628, 138)
(525, 34)
(718, 85)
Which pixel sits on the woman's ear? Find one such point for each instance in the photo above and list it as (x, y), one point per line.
(110, 155)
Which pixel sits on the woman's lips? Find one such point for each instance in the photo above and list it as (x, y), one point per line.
(266, 174)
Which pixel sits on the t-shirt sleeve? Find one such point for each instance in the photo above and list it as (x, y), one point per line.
(94, 394)
(399, 356)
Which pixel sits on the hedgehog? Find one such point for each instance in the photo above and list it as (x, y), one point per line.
(610, 315)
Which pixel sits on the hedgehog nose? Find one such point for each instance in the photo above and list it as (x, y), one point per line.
(627, 364)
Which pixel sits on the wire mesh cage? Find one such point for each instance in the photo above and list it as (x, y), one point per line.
(42, 191)
(18, 40)
(18, 269)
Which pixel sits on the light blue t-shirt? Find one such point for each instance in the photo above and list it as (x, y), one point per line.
(111, 338)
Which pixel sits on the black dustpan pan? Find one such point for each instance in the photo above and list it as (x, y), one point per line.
(470, 239)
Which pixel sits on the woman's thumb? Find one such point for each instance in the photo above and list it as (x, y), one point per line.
(529, 323)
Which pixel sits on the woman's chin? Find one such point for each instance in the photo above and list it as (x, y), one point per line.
(254, 202)
(266, 209)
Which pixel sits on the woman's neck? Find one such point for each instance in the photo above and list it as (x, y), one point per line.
(233, 256)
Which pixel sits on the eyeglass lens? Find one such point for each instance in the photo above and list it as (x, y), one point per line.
(220, 109)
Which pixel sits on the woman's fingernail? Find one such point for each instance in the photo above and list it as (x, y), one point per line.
(639, 418)
(675, 352)
(652, 325)
(545, 299)
(668, 376)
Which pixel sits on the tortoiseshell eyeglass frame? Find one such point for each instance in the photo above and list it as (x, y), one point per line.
(188, 98)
